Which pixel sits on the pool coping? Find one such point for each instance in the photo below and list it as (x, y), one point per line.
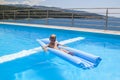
(65, 28)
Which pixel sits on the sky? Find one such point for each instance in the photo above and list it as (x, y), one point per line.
(67, 3)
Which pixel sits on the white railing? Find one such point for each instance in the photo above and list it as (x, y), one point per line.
(99, 18)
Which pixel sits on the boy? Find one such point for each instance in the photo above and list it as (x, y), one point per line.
(54, 44)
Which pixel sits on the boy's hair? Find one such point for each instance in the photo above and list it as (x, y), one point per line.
(53, 36)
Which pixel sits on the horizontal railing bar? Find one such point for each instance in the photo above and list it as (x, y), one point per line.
(89, 21)
(89, 24)
(113, 13)
(74, 12)
(114, 21)
(62, 22)
(62, 9)
(114, 26)
(92, 8)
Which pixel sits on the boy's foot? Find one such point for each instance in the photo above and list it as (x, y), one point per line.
(70, 53)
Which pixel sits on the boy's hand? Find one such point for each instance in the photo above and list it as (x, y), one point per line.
(44, 48)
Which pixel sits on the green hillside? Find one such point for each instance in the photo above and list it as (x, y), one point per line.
(24, 11)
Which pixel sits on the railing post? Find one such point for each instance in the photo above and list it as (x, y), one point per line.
(14, 14)
(72, 18)
(28, 15)
(3, 15)
(106, 19)
(47, 17)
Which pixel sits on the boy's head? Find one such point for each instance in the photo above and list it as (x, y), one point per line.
(53, 38)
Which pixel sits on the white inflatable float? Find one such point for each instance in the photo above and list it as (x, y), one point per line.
(78, 58)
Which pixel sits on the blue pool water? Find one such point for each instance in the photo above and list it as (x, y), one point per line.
(46, 66)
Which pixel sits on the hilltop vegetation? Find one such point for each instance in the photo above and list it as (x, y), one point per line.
(25, 11)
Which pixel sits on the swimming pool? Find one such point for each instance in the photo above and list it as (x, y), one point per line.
(41, 66)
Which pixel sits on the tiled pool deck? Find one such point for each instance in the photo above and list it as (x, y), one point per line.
(66, 28)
